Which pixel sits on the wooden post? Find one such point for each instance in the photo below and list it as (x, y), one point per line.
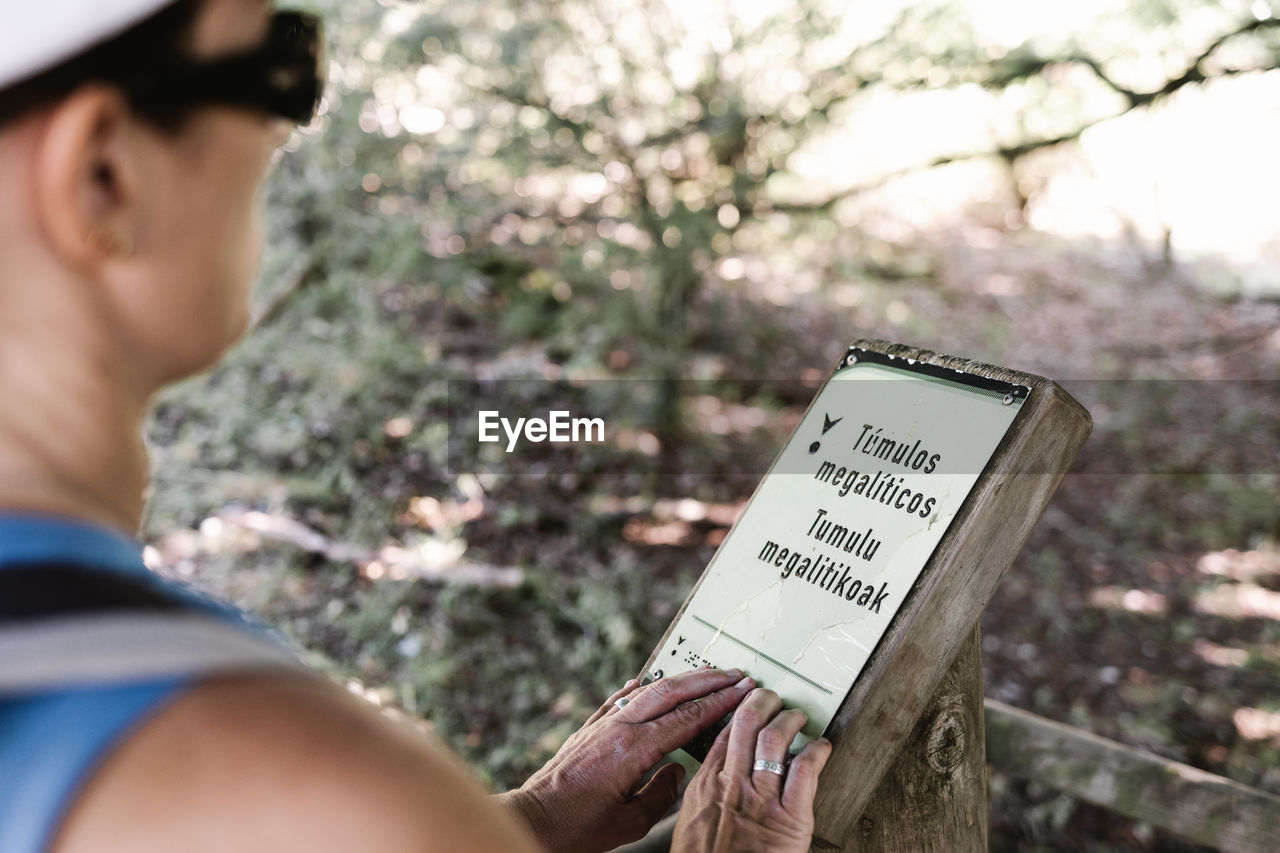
(879, 716)
(888, 708)
(934, 797)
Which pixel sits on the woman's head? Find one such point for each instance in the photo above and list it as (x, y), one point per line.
(129, 176)
(58, 53)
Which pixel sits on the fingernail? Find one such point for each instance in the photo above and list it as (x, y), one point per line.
(745, 682)
(630, 684)
(733, 673)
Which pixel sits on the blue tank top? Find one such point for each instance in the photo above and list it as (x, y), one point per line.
(92, 645)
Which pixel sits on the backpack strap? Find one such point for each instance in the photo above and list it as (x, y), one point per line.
(39, 592)
(65, 626)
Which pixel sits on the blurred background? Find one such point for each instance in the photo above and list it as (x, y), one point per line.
(675, 216)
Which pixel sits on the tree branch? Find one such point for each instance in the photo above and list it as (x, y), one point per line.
(410, 563)
(1011, 153)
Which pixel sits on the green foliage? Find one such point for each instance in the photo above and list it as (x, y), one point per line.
(511, 191)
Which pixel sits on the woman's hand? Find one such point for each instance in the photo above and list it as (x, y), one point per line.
(731, 806)
(588, 797)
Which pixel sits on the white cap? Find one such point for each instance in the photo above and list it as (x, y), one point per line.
(38, 34)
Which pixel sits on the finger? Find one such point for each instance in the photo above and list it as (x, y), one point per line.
(656, 798)
(771, 745)
(611, 702)
(752, 715)
(802, 776)
(715, 755)
(687, 720)
(660, 697)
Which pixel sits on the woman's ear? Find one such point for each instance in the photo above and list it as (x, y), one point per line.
(85, 183)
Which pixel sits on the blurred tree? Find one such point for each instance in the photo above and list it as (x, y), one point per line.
(493, 186)
(627, 153)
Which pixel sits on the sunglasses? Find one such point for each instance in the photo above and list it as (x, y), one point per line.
(283, 76)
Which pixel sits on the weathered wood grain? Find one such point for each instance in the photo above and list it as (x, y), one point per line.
(934, 797)
(1196, 805)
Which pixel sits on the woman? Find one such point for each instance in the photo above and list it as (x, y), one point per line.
(134, 137)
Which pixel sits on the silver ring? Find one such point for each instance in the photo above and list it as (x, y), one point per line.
(622, 703)
(770, 766)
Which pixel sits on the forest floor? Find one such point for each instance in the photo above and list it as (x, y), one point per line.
(314, 479)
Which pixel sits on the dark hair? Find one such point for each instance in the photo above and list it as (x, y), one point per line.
(123, 61)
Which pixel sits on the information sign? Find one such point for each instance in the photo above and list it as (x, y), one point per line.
(829, 546)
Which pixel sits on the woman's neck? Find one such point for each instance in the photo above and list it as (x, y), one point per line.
(116, 499)
(70, 429)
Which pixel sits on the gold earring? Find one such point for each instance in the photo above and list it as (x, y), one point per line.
(108, 241)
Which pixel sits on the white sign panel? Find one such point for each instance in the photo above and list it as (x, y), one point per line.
(809, 578)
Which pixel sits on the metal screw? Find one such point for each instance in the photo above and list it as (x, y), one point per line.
(851, 359)
(1008, 399)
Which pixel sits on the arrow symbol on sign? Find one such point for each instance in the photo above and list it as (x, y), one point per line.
(827, 423)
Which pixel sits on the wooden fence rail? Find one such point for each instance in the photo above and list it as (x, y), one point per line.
(1191, 803)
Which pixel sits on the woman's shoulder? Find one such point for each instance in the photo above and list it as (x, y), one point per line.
(93, 645)
(282, 763)
(137, 714)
